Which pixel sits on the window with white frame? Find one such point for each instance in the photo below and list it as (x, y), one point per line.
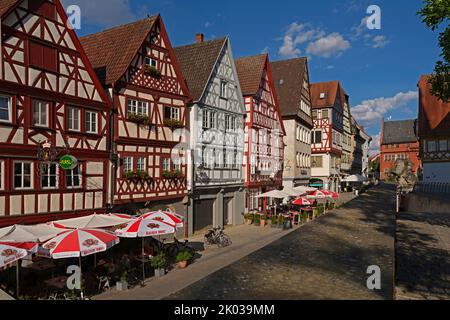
(172, 113)
(127, 164)
(431, 146)
(74, 178)
(165, 164)
(151, 62)
(176, 165)
(5, 108)
(205, 119)
(140, 164)
(40, 113)
(443, 145)
(137, 107)
(91, 122)
(22, 175)
(223, 89)
(297, 133)
(49, 176)
(212, 120)
(73, 119)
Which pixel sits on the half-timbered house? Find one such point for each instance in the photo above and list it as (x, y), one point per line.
(139, 71)
(217, 133)
(264, 130)
(51, 105)
(291, 78)
(434, 135)
(328, 106)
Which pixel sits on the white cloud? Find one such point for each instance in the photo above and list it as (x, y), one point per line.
(316, 40)
(112, 13)
(331, 45)
(375, 145)
(380, 42)
(370, 112)
(207, 24)
(265, 50)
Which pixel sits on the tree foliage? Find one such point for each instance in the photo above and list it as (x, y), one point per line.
(436, 13)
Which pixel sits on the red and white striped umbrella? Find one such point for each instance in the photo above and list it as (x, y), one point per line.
(319, 194)
(79, 243)
(146, 227)
(302, 202)
(10, 254)
(31, 247)
(170, 218)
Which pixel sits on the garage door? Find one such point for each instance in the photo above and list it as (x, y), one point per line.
(203, 214)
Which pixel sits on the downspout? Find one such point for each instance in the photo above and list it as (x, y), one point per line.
(113, 154)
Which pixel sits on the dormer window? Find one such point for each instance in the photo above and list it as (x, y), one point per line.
(323, 95)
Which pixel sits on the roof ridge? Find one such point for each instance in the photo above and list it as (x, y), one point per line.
(197, 44)
(154, 17)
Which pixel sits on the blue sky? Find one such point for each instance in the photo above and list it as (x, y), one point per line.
(379, 69)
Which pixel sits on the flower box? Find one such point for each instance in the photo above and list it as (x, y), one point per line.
(172, 174)
(152, 71)
(174, 124)
(139, 119)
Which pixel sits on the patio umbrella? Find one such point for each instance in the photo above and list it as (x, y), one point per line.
(79, 243)
(275, 194)
(151, 224)
(292, 192)
(318, 194)
(304, 190)
(10, 254)
(93, 221)
(302, 202)
(19, 233)
(167, 217)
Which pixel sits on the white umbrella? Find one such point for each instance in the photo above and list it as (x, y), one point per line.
(275, 194)
(10, 254)
(93, 221)
(19, 233)
(304, 190)
(292, 192)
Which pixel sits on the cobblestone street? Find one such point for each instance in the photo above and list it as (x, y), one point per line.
(423, 256)
(326, 259)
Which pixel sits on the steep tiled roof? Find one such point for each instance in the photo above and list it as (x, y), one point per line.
(5, 5)
(434, 114)
(397, 132)
(288, 77)
(111, 51)
(329, 88)
(197, 62)
(250, 71)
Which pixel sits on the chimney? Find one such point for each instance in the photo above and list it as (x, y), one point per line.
(199, 38)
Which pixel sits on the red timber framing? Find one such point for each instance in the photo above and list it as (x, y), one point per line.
(44, 76)
(264, 128)
(150, 100)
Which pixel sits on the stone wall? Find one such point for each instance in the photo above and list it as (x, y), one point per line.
(420, 202)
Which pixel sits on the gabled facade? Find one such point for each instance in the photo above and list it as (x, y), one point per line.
(399, 141)
(139, 70)
(51, 105)
(328, 107)
(291, 78)
(264, 130)
(348, 138)
(217, 116)
(434, 135)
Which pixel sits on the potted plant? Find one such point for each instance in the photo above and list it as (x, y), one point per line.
(129, 175)
(138, 118)
(152, 71)
(304, 216)
(183, 258)
(263, 219)
(122, 284)
(251, 218)
(159, 264)
(274, 221)
(280, 221)
(257, 219)
(174, 124)
(142, 174)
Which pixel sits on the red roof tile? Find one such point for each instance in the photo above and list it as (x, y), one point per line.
(112, 50)
(197, 62)
(6, 5)
(329, 88)
(434, 114)
(250, 71)
(288, 77)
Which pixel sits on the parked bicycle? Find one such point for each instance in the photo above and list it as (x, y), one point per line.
(218, 237)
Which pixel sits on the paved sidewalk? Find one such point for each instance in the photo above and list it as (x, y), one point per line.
(326, 259)
(423, 256)
(246, 240)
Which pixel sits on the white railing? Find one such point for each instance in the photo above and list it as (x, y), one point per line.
(432, 187)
